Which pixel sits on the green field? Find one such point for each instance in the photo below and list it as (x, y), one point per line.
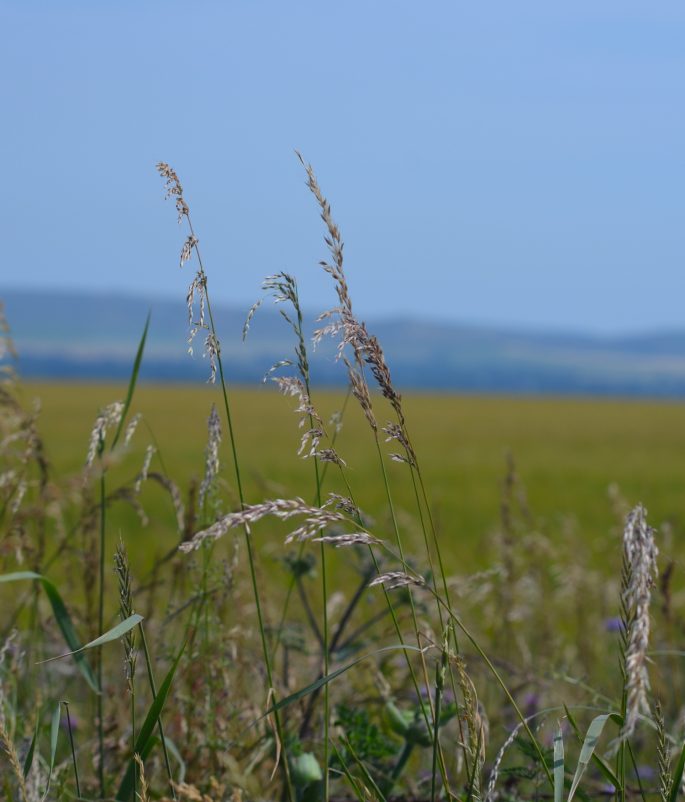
(567, 452)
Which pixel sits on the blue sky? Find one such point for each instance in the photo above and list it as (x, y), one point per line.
(510, 163)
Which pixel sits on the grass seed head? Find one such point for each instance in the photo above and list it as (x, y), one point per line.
(640, 553)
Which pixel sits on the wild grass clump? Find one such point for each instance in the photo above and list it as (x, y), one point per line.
(294, 648)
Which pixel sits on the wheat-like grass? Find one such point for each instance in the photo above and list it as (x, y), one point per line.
(640, 553)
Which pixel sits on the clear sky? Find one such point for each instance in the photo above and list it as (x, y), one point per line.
(501, 162)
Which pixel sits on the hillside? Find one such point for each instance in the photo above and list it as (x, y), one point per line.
(70, 335)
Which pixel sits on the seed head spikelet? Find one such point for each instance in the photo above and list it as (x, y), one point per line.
(396, 579)
(196, 297)
(142, 475)
(107, 419)
(211, 453)
(315, 519)
(123, 572)
(640, 570)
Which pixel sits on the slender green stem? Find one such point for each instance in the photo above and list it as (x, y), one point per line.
(73, 750)
(291, 583)
(324, 592)
(241, 496)
(153, 689)
(101, 629)
(504, 687)
(439, 684)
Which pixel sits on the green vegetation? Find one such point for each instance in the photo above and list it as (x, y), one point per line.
(201, 600)
(568, 453)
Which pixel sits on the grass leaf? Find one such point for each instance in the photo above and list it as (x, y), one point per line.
(28, 760)
(145, 741)
(558, 765)
(54, 733)
(132, 383)
(63, 619)
(319, 683)
(587, 750)
(677, 776)
(112, 634)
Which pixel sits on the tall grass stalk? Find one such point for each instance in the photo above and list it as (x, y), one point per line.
(366, 350)
(101, 625)
(73, 750)
(160, 727)
(174, 189)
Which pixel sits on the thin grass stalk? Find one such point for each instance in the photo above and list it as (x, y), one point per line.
(523, 721)
(388, 600)
(636, 769)
(503, 685)
(366, 351)
(416, 474)
(122, 570)
(440, 669)
(153, 689)
(324, 583)
(241, 496)
(73, 750)
(292, 581)
(412, 606)
(101, 627)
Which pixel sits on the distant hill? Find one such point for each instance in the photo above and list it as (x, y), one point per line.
(83, 336)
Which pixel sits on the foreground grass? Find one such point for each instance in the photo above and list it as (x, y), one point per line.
(473, 628)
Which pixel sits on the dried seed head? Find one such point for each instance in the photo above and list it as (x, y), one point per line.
(490, 794)
(142, 475)
(213, 352)
(248, 319)
(351, 539)
(640, 553)
(309, 442)
(131, 429)
(343, 503)
(331, 455)
(294, 386)
(316, 518)
(360, 390)
(396, 579)
(197, 294)
(173, 189)
(211, 453)
(187, 249)
(396, 432)
(108, 418)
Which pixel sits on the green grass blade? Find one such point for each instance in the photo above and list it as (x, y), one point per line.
(350, 779)
(601, 764)
(474, 771)
(592, 736)
(677, 776)
(112, 634)
(173, 750)
(54, 733)
(558, 765)
(145, 740)
(319, 683)
(63, 619)
(28, 760)
(132, 383)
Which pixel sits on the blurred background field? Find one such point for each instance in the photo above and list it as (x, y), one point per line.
(568, 452)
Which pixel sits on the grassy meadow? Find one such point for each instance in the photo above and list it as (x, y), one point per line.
(219, 594)
(568, 452)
